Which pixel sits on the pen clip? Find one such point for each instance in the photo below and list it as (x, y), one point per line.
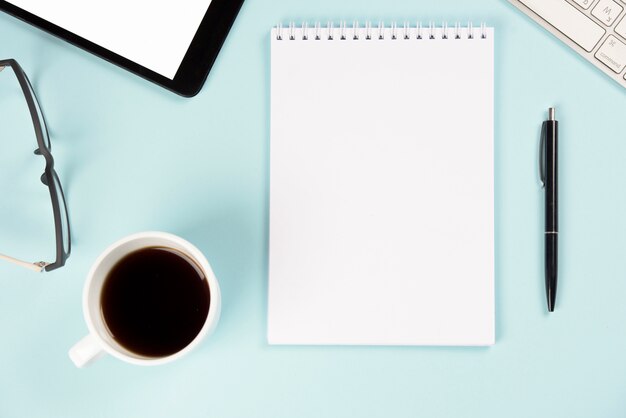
(542, 155)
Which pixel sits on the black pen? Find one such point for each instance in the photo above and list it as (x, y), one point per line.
(549, 177)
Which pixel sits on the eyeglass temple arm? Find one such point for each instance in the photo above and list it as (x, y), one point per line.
(38, 266)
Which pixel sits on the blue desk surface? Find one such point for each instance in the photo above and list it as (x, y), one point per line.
(135, 157)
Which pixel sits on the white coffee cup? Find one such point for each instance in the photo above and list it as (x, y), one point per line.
(99, 341)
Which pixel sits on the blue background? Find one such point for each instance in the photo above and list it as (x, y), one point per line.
(135, 157)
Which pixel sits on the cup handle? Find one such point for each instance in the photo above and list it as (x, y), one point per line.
(85, 351)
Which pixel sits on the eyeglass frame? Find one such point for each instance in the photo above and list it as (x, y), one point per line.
(50, 178)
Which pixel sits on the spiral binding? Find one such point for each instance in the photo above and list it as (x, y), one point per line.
(380, 31)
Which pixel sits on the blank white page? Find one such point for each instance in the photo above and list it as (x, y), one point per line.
(381, 188)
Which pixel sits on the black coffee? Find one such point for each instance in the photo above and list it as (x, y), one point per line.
(155, 301)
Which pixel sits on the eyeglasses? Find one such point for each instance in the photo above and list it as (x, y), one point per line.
(49, 178)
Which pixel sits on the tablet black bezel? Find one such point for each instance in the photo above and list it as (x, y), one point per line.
(196, 64)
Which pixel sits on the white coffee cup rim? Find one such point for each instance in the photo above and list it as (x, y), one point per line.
(214, 306)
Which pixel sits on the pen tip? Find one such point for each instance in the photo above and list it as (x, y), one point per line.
(551, 301)
(551, 113)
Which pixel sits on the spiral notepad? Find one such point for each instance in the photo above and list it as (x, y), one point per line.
(381, 184)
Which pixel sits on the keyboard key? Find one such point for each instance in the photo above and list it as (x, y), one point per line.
(607, 11)
(613, 54)
(568, 20)
(585, 4)
(621, 28)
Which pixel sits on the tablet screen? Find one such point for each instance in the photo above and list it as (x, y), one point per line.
(152, 33)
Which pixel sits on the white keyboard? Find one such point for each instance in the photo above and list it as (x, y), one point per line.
(596, 29)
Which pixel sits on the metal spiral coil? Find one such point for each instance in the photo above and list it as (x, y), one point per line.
(379, 32)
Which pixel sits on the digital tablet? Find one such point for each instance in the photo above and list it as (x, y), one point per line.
(172, 43)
